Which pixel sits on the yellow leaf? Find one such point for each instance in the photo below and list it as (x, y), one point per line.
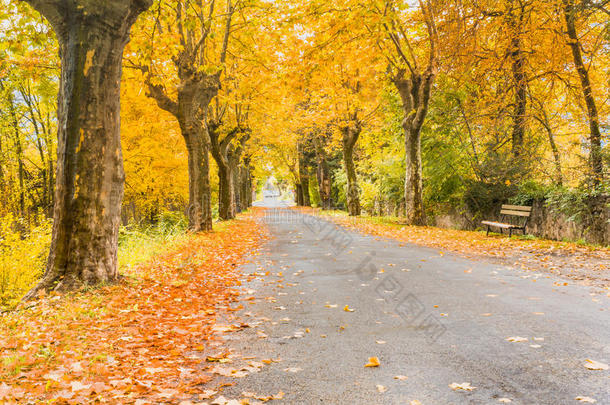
(595, 365)
(373, 362)
(463, 386)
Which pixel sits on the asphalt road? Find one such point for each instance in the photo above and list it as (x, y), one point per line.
(433, 317)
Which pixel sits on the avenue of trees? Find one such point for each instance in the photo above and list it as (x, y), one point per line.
(114, 112)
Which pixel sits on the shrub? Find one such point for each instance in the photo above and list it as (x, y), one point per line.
(22, 259)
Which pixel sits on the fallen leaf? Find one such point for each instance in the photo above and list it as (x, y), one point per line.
(381, 388)
(221, 400)
(348, 309)
(463, 386)
(207, 394)
(293, 369)
(505, 400)
(516, 339)
(586, 399)
(595, 365)
(373, 362)
(78, 386)
(400, 377)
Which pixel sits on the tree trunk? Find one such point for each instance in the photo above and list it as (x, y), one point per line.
(250, 191)
(237, 181)
(200, 207)
(90, 176)
(19, 155)
(323, 175)
(415, 93)
(350, 136)
(299, 194)
(520, 85)
(305, 186)
(226, 196)
(596, 164)
(303, 173)
(244, 187)
(413, 179)
(544, 120)
(220, 152)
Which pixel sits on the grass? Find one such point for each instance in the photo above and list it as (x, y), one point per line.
(23, 258)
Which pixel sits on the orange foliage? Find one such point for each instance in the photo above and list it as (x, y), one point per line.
(138, 339)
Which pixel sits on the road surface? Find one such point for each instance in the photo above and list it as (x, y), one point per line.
(432, 317)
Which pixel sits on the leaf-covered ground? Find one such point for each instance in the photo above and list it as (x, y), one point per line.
(583, 263)
(140, 341)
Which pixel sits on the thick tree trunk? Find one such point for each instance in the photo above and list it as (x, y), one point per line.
(350, 136)
(226, 195)
(596, 164)
(200, 207)
(413, 179)
(89, 186)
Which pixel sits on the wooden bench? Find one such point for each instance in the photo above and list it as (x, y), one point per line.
(522, 212)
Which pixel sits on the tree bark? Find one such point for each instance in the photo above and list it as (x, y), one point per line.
(323, 175)
(519, 82)
(194, 95)
(350, 136)
(415, 95)
(249, 189)
(90, 176)
(19, 155)
(245, 188)
(596, 164)
(303, 172)
(414, 179)
(226, 190)
(200, 202)
(299, 194)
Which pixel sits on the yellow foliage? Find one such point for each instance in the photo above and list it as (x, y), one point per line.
(22, 260)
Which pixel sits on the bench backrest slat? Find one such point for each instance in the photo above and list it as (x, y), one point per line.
(517, 208)
(516, 213)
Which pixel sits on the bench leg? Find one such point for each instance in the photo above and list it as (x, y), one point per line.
(510, 233)
(487, 231)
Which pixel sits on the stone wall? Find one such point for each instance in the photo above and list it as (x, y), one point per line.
(546, 222)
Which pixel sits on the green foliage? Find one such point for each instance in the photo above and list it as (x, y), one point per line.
(139, 244)
(314, 193)
(339, 188)
(578, 204)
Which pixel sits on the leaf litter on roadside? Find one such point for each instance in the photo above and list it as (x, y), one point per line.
(148, 327)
